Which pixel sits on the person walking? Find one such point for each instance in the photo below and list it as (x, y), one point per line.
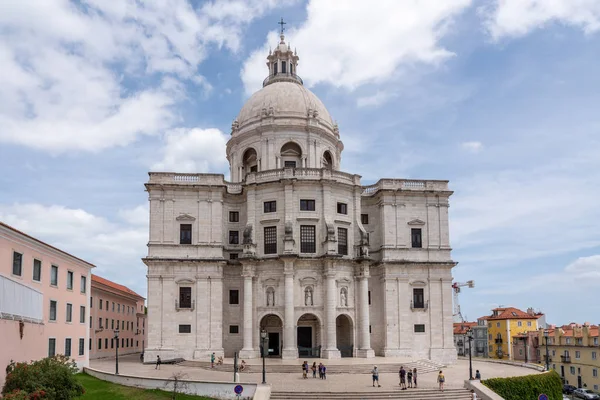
(477, 375)
(402, 374)
(320, 370)
(409, 378)
(142, 357)
(314, 369)
(324, 372)
(158, 362)
(375, 373)
(415, 376)
(305, 370)
(441, 379)
(212, 360)
(474, 395)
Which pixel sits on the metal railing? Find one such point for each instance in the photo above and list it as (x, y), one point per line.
(282, 77)
(311, 352)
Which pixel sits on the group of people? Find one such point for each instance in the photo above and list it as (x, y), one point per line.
(321, 368)
(405, 375)
(212, 360)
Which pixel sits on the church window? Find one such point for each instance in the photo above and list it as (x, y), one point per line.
(254, 168)
(233, 256)
(307, 239)
(234, 237)
(289, 164)
(418, 298)
(270, 206)
(364, 219)
(185, 329)
(419, 328)
(291, 68)
(342, 208)
(185, 297)
(283, 67)
(17, 263)
(275, 68)
(234, 329)
(307, 205)
(415, 235)
(234, 216)
(185, 234)
(369, 295)
(343, 241)
(234, 296)
(271, 240)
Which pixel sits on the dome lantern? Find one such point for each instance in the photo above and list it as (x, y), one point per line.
(282, 62)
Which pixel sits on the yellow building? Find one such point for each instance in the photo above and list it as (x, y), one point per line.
(503, 324)
(574, 353)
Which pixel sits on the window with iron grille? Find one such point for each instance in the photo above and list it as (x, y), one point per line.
(185, 297)
(185, 234)
(342, 208)
(342, 241)
(185, 329)
(415, 235)
(289, 164)
(307, 205)
(233, 256)
(17, 263)
(364, 219)
(234, 329)
(307, 239)
(234, 216)
(420, 328)
(234, 237)
(271, 240)
(270, 206)
(418, 298)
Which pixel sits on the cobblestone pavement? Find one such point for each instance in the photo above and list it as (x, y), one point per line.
(455, 374)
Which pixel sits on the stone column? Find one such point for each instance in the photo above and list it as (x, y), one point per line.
(247, 349)
(364, 349)
(331, 350)
(289, 346)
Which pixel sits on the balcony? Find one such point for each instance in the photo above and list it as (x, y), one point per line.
(498, 340)
(282, 77)
(565, 359)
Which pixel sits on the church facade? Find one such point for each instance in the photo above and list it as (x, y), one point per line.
(293, 252)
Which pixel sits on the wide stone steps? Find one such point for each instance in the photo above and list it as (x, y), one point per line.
(377, 394)
(422, 366)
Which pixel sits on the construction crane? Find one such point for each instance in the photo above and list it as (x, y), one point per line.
(456, 288)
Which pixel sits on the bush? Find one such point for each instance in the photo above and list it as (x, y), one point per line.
(51, 378)
(527, 387)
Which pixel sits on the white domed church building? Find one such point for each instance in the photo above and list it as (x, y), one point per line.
(293, 251)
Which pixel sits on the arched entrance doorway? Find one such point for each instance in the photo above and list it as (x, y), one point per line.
(249, 162)
(344, 334)
(274, 327)
(308, 336)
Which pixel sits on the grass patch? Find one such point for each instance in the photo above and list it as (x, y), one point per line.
(97, 389)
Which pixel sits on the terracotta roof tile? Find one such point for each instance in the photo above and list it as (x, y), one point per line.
(116, 286)
(461, 328)
(510, 313)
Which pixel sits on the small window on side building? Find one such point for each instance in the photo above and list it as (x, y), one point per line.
(419, 328)
(185, 234)
(17, 268)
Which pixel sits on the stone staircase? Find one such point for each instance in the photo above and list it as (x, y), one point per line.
(422, 366)
(412, 394)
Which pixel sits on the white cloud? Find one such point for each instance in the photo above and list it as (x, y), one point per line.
(334, 48)
(373, 100)
(473, 147)
(519, 17)
(193, 150)
(68, 67)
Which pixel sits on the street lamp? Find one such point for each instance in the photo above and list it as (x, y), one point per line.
(116, 338)
(263, 340)
(546, 334)
(470, 338)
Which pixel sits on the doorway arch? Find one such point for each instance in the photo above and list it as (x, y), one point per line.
(249, 162)
(327, 160)
(291, 155)
(308, 335)
(344, 334)
(273, 324)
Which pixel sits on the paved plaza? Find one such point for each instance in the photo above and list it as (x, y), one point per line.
(350, 382)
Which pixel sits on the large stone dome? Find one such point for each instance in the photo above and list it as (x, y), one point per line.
(284, 99)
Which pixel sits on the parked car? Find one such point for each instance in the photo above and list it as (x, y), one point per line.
(585, 394)
(568, 389)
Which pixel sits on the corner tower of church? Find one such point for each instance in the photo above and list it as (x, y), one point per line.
(293, 249)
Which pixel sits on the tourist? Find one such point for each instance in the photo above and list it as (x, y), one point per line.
(142, 357)
(320, 370)
(324, 372)
(474, 395)
(212, 360)
(314, 369)
(402, 374)
(305, 370)
(441, 379)
(415, 376)
(375, 374)
(477, 375)
(158, 362)
(243, 366)
(219, 360)
(409, 377)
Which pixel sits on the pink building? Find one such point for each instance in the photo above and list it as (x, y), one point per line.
(115, 307)
(44, 293)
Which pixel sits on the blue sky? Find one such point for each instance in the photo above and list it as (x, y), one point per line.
(499, 96)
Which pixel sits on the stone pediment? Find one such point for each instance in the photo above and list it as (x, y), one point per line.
(418, 283)
(308, 281)
(416, 221)
(185, 217)
(270, 282)
(184, 281)
(343, 282)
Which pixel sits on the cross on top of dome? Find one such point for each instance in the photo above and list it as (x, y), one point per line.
(282, 62)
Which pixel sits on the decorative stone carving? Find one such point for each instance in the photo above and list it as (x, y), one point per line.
(330, 232)
(416, 221)
(364, 244)
(248, 234)
(185, 217)
(270, 297)
(235, 125)
(344, 297)
(308, 296)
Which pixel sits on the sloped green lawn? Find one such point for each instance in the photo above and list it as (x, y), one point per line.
(96, 389)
